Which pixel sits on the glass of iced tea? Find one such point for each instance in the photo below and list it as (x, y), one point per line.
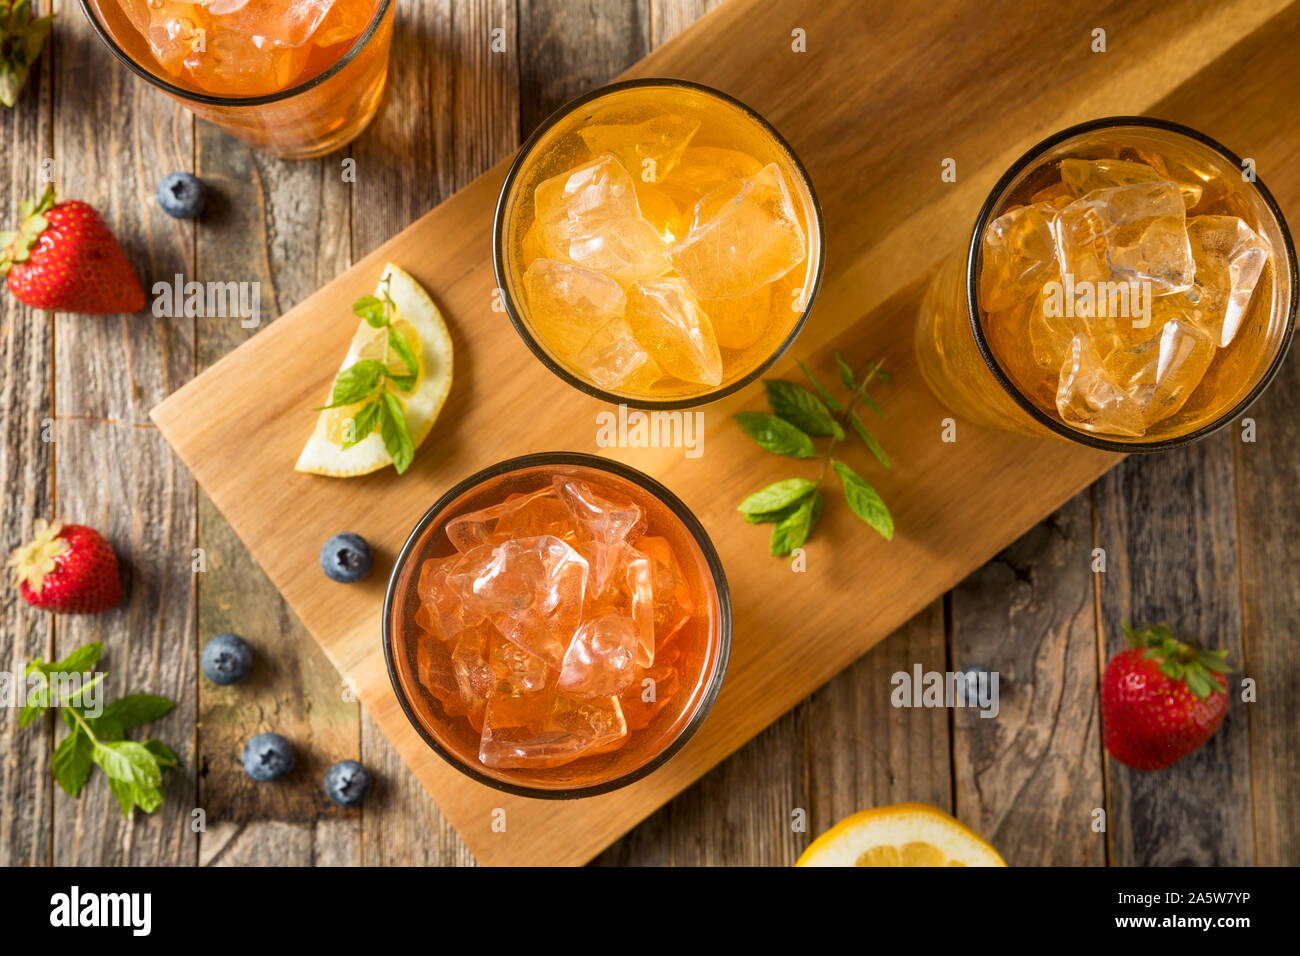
(297, 78)
(1130, 284)
(657, 243)
(557, 625)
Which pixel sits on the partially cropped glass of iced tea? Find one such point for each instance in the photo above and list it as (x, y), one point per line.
(564, 628)
(1133, 283)
(261, 50)
(658, 242)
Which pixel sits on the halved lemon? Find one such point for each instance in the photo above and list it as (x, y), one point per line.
(417, 320)
(905, 834)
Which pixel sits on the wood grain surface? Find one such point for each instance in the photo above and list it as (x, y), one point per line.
(1222, 561)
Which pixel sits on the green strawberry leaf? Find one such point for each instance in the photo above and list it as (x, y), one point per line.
(775, 434)
(864, 500)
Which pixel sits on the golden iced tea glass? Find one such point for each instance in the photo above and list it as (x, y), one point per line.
(296, 78)
(1126, 287)
(557, 625)
(657, 243)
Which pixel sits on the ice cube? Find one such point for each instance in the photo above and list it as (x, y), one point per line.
(648, 150)
(590, 217)
(442, 610)
(474, 678)
(344, 22)
(601, 658)
(1082, 176)
(668, 322)
(171, 28)
(739, 322)
(705, 168)
(1019, 256)
(1230, 257)
(558, 730)
(601, 513)
(743, 235)
(1162, 372)
(1126, 234)
(650, 690)
(520, 516)
(290, 23)
(434, 670)
(231, 64)
(1088, 398)
(531, 589)
(569, 304)
(674, 604)
(660, 210)
(612, 358)
(517, 672)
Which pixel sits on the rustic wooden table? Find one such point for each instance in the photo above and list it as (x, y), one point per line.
(1213, 522)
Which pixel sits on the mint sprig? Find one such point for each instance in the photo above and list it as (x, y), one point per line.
(367, 380)
(134, 770)
(794, 505)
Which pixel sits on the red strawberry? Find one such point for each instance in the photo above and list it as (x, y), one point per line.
(1161, 699)
(64, 259)
(68, 569)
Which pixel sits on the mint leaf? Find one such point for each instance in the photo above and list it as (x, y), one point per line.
(71, 762)
(356, 382)
(775, 434)
(364, 422)
(864, 501)
(83, 659)
(821, 389)
(30, 712)
(397, 439)
(398, 344)
(870, 439)
(127, 712)
(801, 408)
(147, 799)
(125, 793)
(162, 753)
(777, 496)
(371, 308)
(127, 761)
(846, 373)
(792, 531)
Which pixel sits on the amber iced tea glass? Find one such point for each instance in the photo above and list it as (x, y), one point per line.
(988, 366)
(460, 683)
(710, 268)
(318, 99)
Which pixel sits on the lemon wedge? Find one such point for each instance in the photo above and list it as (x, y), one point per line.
(417, 320)
(906, 834)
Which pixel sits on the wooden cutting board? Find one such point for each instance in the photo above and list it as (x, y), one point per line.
(883, 95)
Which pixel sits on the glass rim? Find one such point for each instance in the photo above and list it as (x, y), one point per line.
(515, 314)
(209, 99)
(972, 288)
(683, 514)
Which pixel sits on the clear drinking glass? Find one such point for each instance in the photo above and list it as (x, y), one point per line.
(657, 243)
(504, 711)
(1003, 340)
(305, 97)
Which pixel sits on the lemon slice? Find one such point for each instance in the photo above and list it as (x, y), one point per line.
(419, 322)
(906, 834)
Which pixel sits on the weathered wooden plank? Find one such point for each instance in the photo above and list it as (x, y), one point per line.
(1168, 525)
(114, 138)
(26, 473)
(1029, 778)
(259, 230)
(1267, 469)
(448, 118)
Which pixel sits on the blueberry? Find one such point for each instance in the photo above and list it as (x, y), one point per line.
(227, 659)
(346, 558)
(182, 195)
(268, 757)
(346, 783)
